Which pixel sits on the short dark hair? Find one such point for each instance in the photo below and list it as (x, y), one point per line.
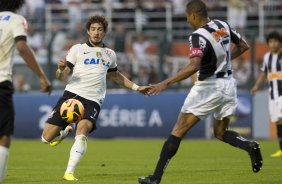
(197, 7)
(100, 19)
(274, 35)
(11, 5)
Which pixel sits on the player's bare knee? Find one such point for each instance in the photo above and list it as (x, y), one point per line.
(81, 137)
(219, 134)
(43, 139)
(84, 127)
(178, 133)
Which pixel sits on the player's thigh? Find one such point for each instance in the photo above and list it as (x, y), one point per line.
(51, 131)
(226, 109)
(275, 110)
(5, 141)
(84, 127)
(184, 123)
(229, 100)
(202, 101)
(91, 114)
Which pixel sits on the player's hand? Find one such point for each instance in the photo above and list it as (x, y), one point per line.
(157, 88)
(144, 89)
(254, 90)
(45, 85)
(62, 64)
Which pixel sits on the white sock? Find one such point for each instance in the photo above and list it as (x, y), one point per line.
(77, 151)
(63, 133)
(4, 153)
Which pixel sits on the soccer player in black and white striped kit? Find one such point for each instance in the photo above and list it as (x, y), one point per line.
(213, 92)
(271, 71)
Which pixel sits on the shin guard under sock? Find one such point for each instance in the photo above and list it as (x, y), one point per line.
(169, 149)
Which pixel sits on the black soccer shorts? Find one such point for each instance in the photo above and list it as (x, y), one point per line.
(91, 110)
(7, 110)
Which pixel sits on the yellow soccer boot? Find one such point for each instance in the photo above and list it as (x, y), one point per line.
(64, 133)
(69, 177)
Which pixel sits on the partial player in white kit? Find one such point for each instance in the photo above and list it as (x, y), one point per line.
(13, 35)
(90, 63)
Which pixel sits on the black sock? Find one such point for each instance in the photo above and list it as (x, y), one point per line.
(279, 135)
(169, 149)
(234, 139)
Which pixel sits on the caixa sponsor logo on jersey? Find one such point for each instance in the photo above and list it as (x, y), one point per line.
(96, 61)
(5, 17)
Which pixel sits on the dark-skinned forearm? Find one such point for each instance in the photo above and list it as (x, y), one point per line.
(27, 54)
(260, 80)
(182, 74)
(237, 51)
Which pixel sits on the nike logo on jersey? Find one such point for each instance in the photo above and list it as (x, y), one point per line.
(87, 52)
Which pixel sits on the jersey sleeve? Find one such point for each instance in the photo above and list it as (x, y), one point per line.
(197, 45)
(235, 36)
(114, 60)
(71, 55)
(19, 27)
(264, 65)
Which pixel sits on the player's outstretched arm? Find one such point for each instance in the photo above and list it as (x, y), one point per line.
(261, 79)
(27, 54)
(119, 78)
(184, 73)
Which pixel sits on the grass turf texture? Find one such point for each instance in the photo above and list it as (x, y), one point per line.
(122, 161)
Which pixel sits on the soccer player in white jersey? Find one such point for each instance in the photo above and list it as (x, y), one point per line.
(213, 92)
(271, 71)
(90, 63)
(13, 34)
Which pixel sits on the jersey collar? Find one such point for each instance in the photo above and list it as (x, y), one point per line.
(90, 45)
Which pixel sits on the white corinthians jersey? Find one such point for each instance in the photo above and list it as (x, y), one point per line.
(12, 27)
(91, 65)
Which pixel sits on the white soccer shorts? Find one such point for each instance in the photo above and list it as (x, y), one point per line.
(275, 109)
(218, 96)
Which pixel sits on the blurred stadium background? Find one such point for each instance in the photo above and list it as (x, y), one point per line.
(151, 41)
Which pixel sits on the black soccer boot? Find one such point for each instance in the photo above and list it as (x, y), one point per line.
(255, 155)
(147, 180)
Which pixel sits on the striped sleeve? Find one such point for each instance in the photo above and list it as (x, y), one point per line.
(196, 49)
(235, 36)
(264, 63)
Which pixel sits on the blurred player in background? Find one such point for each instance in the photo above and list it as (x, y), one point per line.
(90, 64)
(213, 92)
(272, 71)
(13, 34)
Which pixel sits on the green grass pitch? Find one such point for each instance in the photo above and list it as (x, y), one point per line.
(122, 161)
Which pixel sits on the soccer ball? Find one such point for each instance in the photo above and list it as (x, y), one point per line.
(72, 111)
